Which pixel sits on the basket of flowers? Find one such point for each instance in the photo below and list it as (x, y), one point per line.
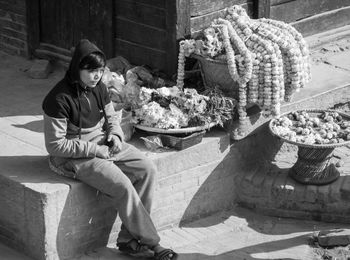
(182, 142)
(316, 133)
(178, 118)
(171, 110)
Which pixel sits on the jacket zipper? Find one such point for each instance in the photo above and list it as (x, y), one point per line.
(87, 99)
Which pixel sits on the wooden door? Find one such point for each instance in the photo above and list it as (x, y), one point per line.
(63, 23)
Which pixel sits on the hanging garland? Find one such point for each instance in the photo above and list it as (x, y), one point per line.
(268, 59)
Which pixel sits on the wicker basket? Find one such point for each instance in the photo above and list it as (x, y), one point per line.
(181, 143)
(314, 165)
(312, 112)
(215, 73)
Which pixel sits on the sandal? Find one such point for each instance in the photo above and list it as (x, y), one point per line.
(165, 254)
(132, 247)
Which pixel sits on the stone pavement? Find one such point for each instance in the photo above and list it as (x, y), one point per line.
(236, 234)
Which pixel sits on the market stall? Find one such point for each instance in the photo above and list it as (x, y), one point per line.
(243, 62)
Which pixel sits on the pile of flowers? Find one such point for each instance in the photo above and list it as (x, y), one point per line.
(302, 127)
(172, 108)
(268, 59)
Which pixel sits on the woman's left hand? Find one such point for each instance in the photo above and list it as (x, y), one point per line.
(114, 143)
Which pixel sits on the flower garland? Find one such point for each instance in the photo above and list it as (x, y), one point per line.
(181, 65)
(244, 72)
(287, 28)
(259, 45)
(230, 54)
(268, 59)
(289, 49)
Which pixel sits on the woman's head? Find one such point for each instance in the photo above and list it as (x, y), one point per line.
(91, 68)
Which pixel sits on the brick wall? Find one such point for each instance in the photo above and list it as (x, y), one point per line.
(13, 27)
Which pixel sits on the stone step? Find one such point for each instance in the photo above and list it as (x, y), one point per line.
(49, 217)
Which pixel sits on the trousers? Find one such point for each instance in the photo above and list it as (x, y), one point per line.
(128, 181)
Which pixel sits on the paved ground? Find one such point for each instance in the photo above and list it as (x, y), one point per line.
(237, 234)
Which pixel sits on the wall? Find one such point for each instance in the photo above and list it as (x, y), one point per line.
(145, 32)
(203, 12)
(13, 27)
(310, 16)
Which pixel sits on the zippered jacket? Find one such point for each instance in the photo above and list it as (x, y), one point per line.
(78, 118)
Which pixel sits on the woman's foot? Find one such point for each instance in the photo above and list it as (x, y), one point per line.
(161, 253)
(133, 247)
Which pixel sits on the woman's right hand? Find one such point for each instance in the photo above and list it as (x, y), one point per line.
(103, 152)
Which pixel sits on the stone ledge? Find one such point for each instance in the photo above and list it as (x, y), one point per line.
(54, 217)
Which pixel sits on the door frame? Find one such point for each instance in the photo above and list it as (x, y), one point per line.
(33, 25)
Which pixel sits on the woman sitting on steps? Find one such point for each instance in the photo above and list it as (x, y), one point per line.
(85, 142)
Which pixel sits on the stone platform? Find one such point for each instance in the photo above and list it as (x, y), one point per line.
(53, 217)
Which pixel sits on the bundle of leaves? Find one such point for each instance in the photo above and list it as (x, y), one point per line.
(220, 107)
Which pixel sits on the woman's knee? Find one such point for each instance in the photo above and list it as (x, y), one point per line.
(121, 188)
(149, 168)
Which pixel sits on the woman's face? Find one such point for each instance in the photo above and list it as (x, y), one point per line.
(91, 77)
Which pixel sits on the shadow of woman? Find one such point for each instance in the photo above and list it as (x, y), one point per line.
(35, 126)
(254, 153)
(295, 248)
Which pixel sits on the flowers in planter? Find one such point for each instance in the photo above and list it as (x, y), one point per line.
(172, 108)
(209, 43)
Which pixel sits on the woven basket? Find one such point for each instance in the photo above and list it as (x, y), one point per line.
(314, 165)
(215, 73)
(312, 112)
(181, 143)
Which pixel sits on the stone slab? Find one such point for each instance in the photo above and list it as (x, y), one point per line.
(24, 129)
(339, 61)
(324, 79)
(40, 69)
(319, 40)
(335, 237)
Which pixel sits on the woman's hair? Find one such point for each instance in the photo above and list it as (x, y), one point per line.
(93, 61)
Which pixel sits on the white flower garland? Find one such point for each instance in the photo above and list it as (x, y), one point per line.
(272, 60)
(181, 65)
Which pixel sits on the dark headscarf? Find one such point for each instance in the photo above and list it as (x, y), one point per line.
(82, 49)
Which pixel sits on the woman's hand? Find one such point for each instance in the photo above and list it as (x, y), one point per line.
(103, 152)
(114, 143)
